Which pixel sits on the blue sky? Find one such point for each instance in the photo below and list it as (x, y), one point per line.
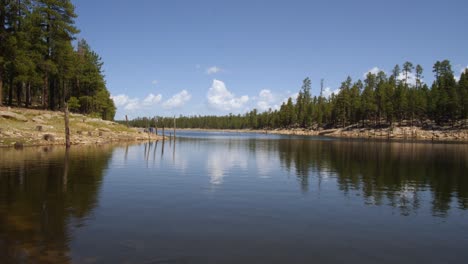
(176, 57)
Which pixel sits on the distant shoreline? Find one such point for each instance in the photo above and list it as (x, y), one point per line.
(398, 133)
(21, 127)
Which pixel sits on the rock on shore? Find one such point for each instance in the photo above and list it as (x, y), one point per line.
(36, 127)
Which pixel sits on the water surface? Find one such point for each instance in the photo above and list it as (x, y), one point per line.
(236, 198)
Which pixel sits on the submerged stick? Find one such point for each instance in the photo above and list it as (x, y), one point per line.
(67, 128)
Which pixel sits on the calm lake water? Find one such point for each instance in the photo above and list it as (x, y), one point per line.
(236, 198)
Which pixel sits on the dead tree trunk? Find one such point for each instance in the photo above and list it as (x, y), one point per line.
(67, 128)
(174, 127)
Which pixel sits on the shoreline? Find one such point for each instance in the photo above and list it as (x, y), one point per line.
(20, 127)
(410, 134)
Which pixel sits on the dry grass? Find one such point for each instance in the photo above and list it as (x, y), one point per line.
(83, 129)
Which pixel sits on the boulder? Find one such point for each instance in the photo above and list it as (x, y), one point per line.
(46, 116)
(48, 137)
(38, 119)
(14, 116)
(18, 145)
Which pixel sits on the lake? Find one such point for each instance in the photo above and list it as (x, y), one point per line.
(213, 197)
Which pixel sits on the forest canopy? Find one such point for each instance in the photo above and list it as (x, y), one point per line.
(42, 64)
(378, 100)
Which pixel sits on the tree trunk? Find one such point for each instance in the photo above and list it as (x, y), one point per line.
(59, 94)
(52, 95)
(2, 35)
(1, 88)
(10, 93)
(28, 96)
(45, 94)
(67, 128)
(66, 94)
(19, 92)
(174, 127)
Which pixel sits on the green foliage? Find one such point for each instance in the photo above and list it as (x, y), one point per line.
(40, 66)
(73, 104)
(379, 100)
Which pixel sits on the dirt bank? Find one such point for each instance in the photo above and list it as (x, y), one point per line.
(27, 127)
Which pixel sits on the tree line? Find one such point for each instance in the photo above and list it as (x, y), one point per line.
(378, 100)
(41, 67)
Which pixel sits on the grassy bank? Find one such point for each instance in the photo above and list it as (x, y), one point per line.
(28, 127)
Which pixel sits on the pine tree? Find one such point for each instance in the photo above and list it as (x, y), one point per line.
(3, 35)
(57, 21)
(463, 88)
(380, 96)
(420, 94)
(396, 73)
(355, 102)
(368, 105)
(447, 105)
(303, 104)
(343, 102)
(38, 60)
(407, 69)
(291, 117)
(419, 76)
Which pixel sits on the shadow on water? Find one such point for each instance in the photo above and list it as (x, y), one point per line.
(44, 194)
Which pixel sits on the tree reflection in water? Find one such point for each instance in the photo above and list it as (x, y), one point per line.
(44, 194)
(384, 173)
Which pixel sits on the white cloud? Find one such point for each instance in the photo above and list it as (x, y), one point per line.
(263, 106)
(177, 100)
(266, 100)
(266, 95)
(218, 164)
(125, 102)
(462, 70)
(219, 97)
(327, 92)
(401, 76)
(374, 71)
(213, 70)
(411, 78)
(154, 82)
(120, 100)
(293, 96)
(133, 104)
(152, 99)
(263, 159)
